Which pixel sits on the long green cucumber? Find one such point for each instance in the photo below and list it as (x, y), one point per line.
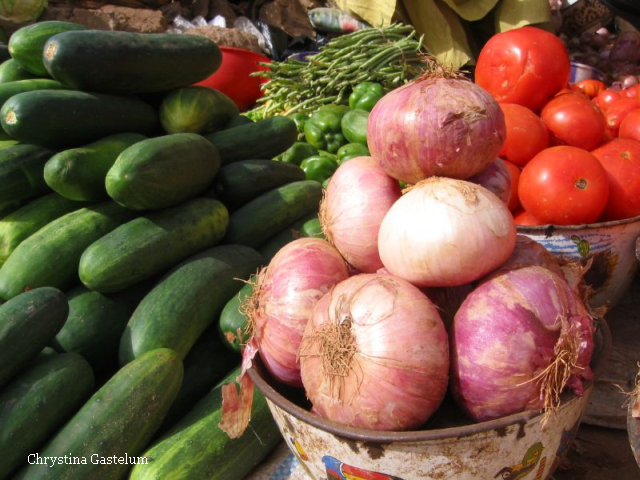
(50, 257)
(263, 217)
(210, 452)
(24, 222)
(187, 300)
(37, 403)
(288, 234)
(9, 89)
(11, 71)
(118, 420)
(151, 244)
(28, 323)
(21, 168)
(11, 206)
(232, 318)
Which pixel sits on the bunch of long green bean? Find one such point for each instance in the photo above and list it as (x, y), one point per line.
(389, 55)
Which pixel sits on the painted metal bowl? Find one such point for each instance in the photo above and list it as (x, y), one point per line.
(612, 247)
(515, 447)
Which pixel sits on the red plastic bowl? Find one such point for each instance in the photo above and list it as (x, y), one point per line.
(233, 77)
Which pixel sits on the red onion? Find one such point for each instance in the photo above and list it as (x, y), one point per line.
(495, 178)
(446, 232)
(528, 252)
(626, 47)
(435, 126)
(357, 199)
(283, 300)
(517, 341)
(375, 354)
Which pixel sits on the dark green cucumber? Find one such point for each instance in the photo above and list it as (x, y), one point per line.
(19, 225)
(288, 234)
(11, 71)
(232, 318)
(80, 173)
(118, 420)
(96, 322)
(26, 43)
(124, 62)
(210, 452)
(187, 300)
(266, 215)
(237, 121)
(207, 363)
(28, 323)
(66, 118)
(37, 403)
(240, 182)
(196, 110)
(151, 244)
(9, 89)
(21, 168)
(11, 206)
(162, 172)
(4, 51)
(50, 257)
(263, 139)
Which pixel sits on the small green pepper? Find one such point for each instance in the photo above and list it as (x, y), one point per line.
(299, 119)
(335, 108)
(365, 95)
(297, 152)
(352, 150)
(323, 131)
(324, 153)
(318, 168)
(354, 126)
(312, 228)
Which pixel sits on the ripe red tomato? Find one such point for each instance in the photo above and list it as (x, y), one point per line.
(621, 159)
(514, 173)
(574, 120)
(526, 134)
(524, 218)
(630, 126)
(605, 97)
(525, 65)
(616, 111)
(631, 92)
(591, 87)
(564, 186)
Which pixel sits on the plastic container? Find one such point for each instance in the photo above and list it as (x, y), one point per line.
(234, 79)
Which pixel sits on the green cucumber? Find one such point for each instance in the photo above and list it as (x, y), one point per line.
(50, 257)
(11, 71)
(9, 89)
(313, 229)
(26, 43)
(80, 173)
(67, 118)
(37, 403)
(187, 300)
(28, 323)
(162, 172)
(126, 62)
(21, 168)
(238, 121)
(240, 182)
(266, 215)
(196, 110)
(210, 452)
(11, 206)
(96, 322)
(288, 234)
(19, 225)
(152, 243)
(118, 420)
(232, 318)
(263, 139)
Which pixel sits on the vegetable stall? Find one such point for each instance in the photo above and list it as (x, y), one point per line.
(385, 254)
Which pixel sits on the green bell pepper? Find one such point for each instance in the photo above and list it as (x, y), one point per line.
(365, 95)
(324, 131)
(318, 168)
(325, 184)
(299, 119)
(312, 229)
(352, 150)
(297, 152)
(335, 108)
(354, 126)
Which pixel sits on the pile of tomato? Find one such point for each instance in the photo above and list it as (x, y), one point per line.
(573, 150)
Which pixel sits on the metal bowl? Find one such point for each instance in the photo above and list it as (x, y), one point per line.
(580, 71)
(512, 447)
(612, 247)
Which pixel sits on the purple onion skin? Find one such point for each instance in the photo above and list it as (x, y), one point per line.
(495, 178)
(437, 126)
(504, 334)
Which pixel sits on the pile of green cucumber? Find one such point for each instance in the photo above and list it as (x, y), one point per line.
(133, 208)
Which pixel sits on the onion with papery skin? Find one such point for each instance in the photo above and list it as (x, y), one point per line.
(375, 354)
(446, 232)
(517, 341)
(355, 202)
(436, 125)
(495, 178)
(527, 253)
(283, 300)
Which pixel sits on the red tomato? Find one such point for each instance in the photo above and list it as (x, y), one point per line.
(631, 92)
(525, 65)
(526, 134)
(574, 120)
(630, 126)
(605, 97)
(522, 217)
(564, 186)
(591, 87)
(621, 159)
(616, 111)
(514, 172)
